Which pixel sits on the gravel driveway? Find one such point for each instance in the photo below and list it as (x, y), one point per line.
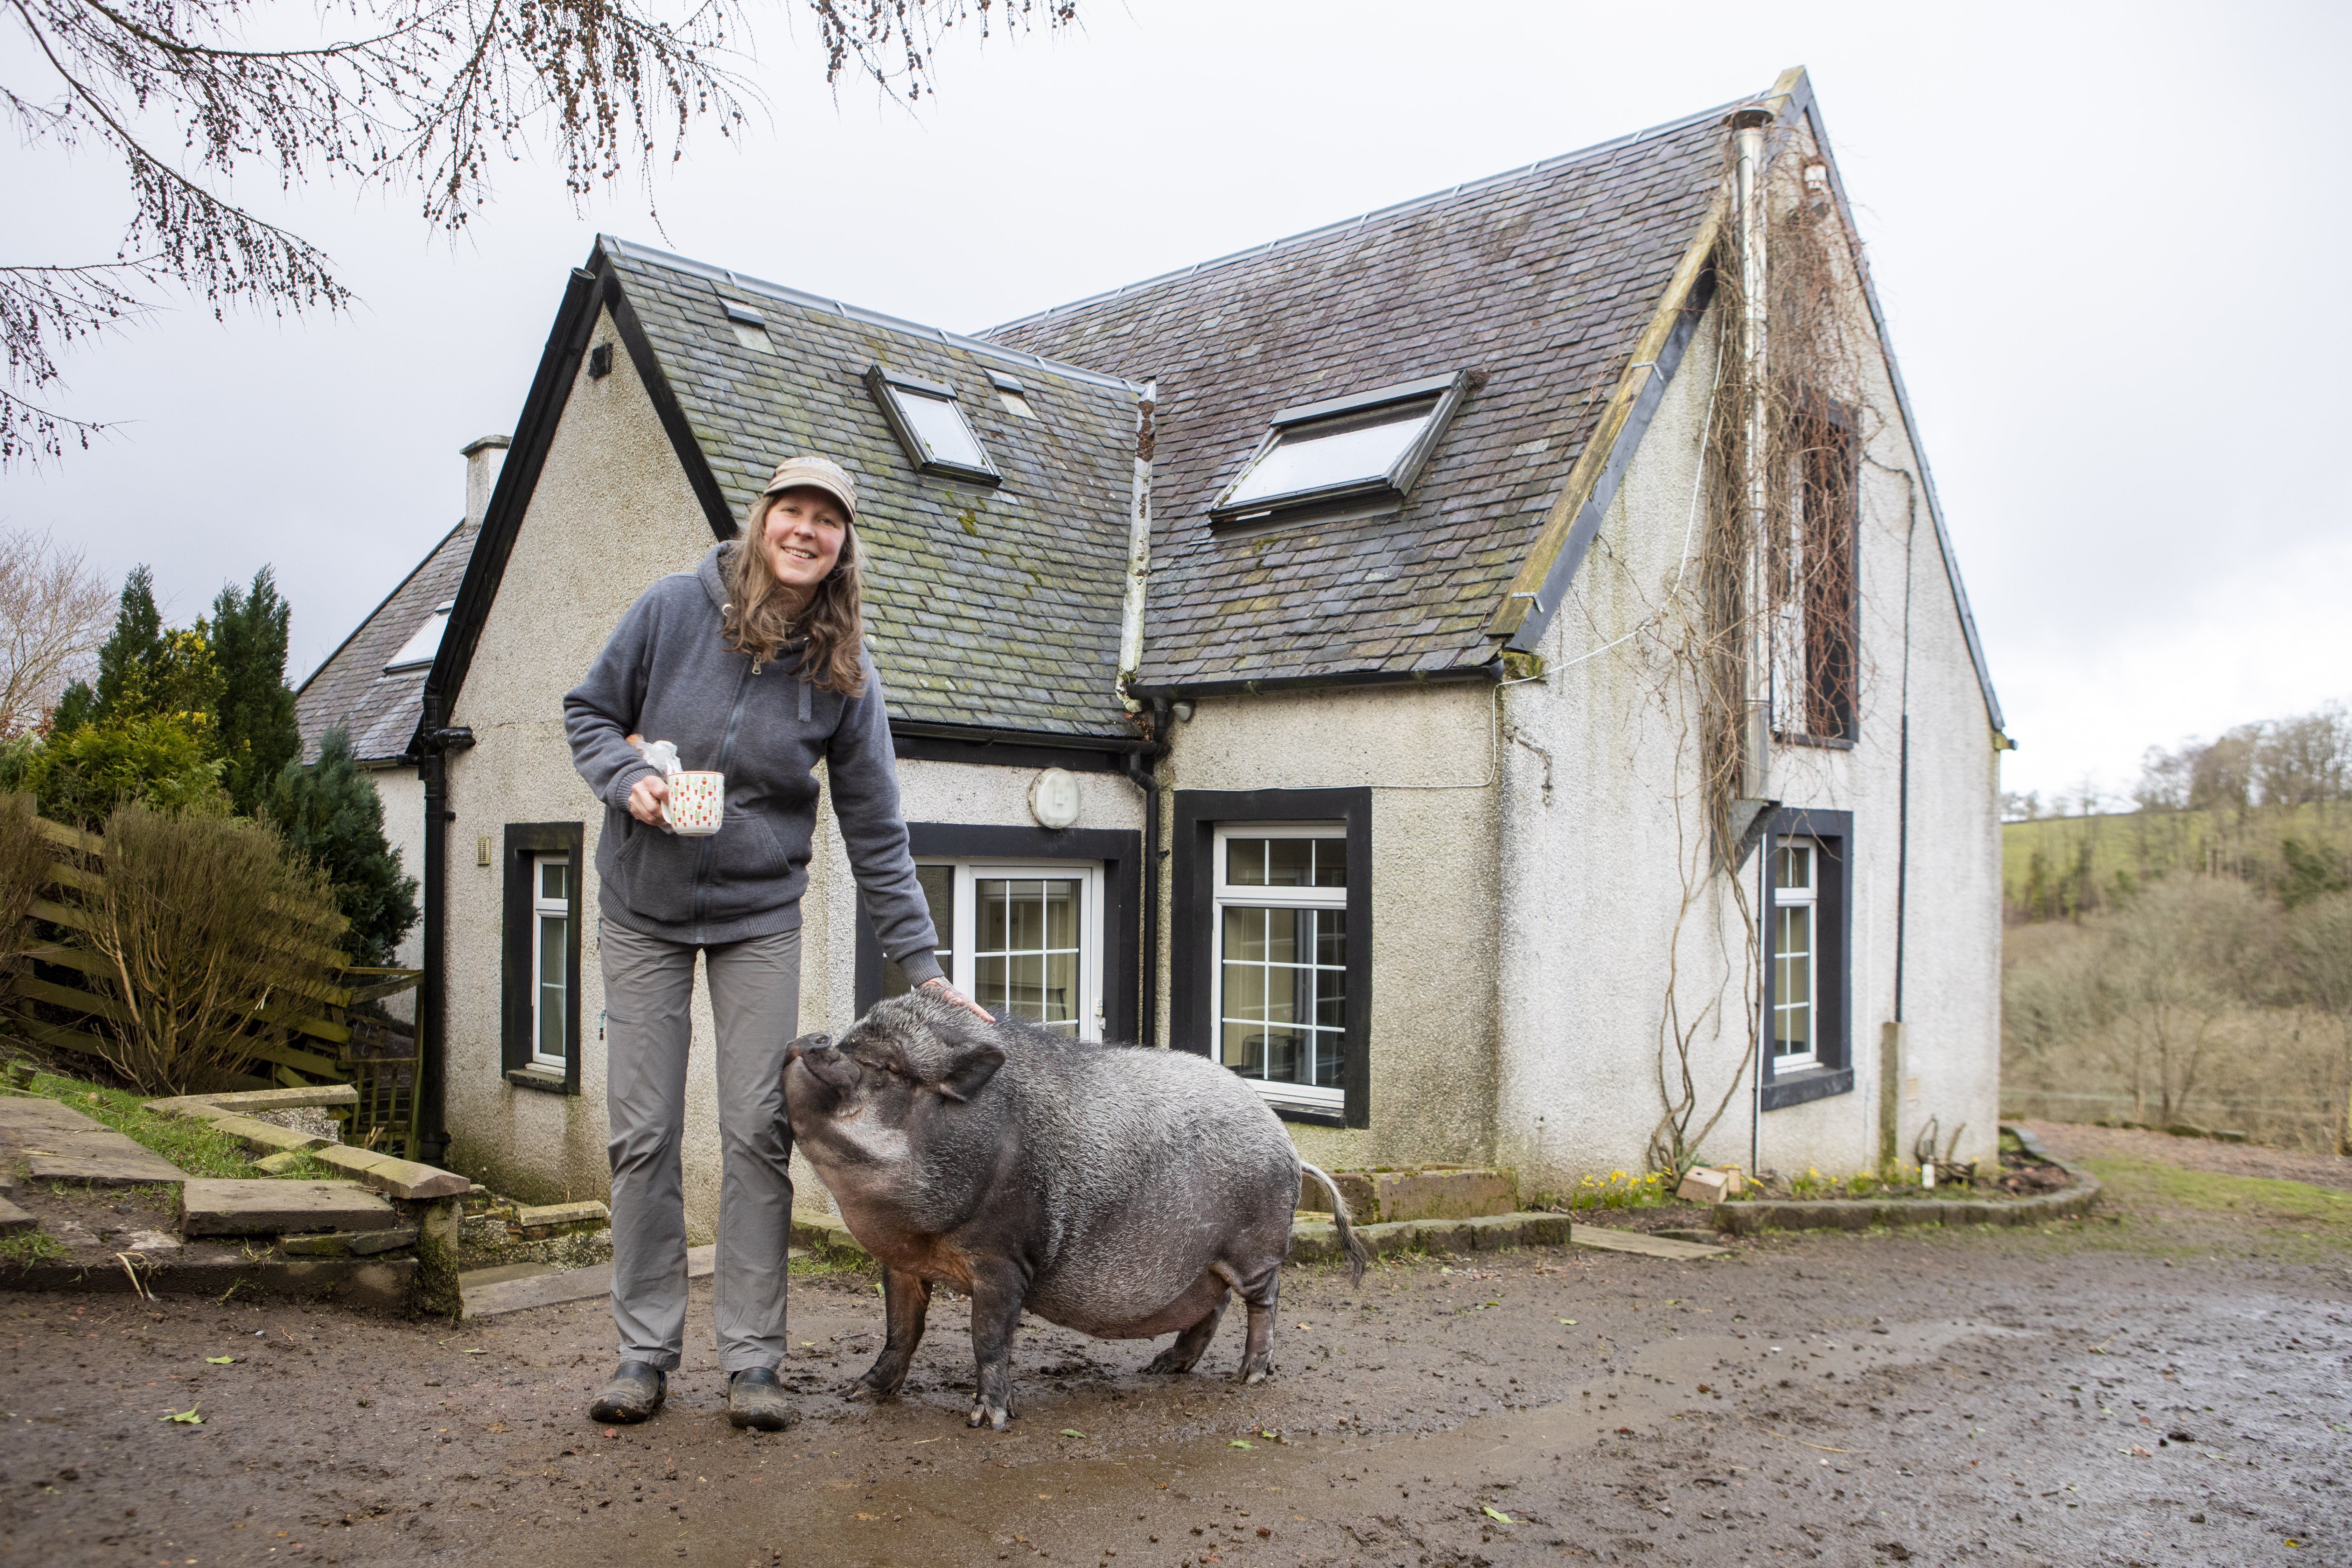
(2173, 1388)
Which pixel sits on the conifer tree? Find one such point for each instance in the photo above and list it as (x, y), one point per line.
(258, 733)
(137, 643)
(329, 815)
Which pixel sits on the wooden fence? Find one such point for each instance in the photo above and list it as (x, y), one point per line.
(325, 1043)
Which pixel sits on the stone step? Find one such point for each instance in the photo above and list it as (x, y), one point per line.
(400, 1178)
(14, 1220)
(1317, 1241)
(347, 1243)
(561, 1219)
(1441, 1192)
(268, 1135)
(262, 1206)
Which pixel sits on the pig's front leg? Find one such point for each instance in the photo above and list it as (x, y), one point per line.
(905, 1297)
(996, 1299)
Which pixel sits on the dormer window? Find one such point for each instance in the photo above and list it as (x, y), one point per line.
(931, 424)
(418, 651)
(1367, 446)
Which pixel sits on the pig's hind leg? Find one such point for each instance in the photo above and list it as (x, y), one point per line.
(906, 1298)
(1260, 1292)
(1192, 1342)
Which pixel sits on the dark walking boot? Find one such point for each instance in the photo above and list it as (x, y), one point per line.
(754, 1398)
(633, 1392)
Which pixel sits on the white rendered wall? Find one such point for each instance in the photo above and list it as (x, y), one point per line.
(402, 791)
(1427, 752)
(1594, 878)
(610, 513)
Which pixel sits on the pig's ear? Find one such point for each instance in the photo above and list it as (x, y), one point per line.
(971, 1073)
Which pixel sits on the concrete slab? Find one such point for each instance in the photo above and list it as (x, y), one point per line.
(260, 1100)
(1634, 1241)
(490, 1297)
(14, 1220)
(57, 1142)
(257, 1134)
(267, 1207)
(400, 1178)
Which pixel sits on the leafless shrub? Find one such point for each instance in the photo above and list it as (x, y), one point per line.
(54, 614)
(210, 940)
(24, 864)
(2199, 1000)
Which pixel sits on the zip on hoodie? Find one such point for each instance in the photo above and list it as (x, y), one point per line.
(726, 755)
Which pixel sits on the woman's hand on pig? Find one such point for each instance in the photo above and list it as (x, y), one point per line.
(645, 798)
(938, 987)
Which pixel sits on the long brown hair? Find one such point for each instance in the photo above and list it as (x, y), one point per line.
(758, 621)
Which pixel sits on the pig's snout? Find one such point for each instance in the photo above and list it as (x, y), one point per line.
(805, 1044)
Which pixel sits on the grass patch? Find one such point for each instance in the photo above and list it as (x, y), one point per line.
(2298, 1206)
(190, 1144)
(27, 1248)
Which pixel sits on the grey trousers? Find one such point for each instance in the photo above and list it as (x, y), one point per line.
(755, 991)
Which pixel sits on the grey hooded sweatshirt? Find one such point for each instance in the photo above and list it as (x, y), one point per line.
(668, 675)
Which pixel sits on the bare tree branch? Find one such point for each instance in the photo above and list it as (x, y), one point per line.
(427, 95)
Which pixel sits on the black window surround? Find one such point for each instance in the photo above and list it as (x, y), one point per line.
(1832, 1069)
(525, 840)
(1120, 854)
(1393, 484)
(1193, 946)
(884, 384)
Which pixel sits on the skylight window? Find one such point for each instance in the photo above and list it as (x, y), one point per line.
(1371, 446)
(931, 424)
(418, 651)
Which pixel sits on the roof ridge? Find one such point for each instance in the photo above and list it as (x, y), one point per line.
(1340, 226)
(746, 284)
(381, 605)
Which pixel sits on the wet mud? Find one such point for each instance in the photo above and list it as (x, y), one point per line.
(2176, 1388)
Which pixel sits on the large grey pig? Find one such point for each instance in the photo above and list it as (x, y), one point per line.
(1115, 1190)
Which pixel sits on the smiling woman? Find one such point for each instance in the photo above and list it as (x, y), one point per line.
(753, 671)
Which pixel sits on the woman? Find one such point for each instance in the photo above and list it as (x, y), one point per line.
(752, 666)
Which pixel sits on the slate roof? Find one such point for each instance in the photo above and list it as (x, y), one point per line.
(350, 689)
(997, 608)
(1537, 282)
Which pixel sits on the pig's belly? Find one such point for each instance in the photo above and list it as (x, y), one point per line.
(1124, 1316)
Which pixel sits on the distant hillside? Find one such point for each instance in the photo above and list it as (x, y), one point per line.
(2059, 868)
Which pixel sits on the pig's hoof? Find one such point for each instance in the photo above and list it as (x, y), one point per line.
(1258, 1373)
(1170, 1361)
(872, 1393)
(982, 1417)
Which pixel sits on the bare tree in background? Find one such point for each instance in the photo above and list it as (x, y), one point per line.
(54, 614)
(423, 95)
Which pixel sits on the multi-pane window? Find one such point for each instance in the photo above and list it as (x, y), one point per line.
(551, 958)
(1022, 940)
(1796, 953)
(1279, 997)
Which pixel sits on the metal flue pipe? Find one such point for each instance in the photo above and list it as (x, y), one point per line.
(1748, 126)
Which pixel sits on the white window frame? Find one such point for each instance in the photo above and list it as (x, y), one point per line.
(1808, 898)
(542, 907)
(889, 386)
(1225, 895)
(963, 967)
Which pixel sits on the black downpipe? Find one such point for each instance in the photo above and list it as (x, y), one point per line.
(1142, 770)
(432, 1012)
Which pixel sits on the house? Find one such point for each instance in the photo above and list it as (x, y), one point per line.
(1492, 672)
(373, 685)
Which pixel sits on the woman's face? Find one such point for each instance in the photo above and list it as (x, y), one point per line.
(801, 538)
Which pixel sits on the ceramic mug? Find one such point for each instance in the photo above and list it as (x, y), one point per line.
(697, 802)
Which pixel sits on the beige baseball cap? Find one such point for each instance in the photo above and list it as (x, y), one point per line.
(823, 474)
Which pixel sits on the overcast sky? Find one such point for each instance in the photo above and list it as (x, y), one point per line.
(2104, 235)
